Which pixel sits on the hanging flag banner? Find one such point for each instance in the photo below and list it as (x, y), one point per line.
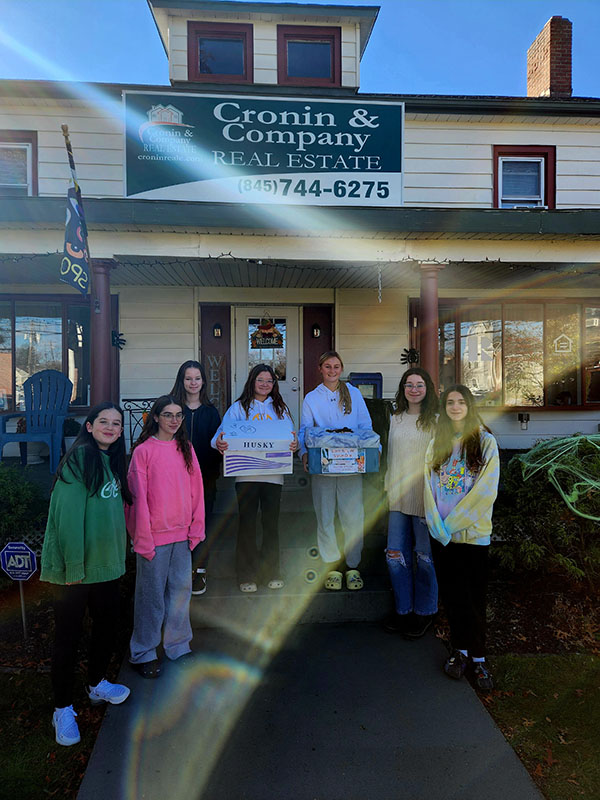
(247, 149)
(75, 264)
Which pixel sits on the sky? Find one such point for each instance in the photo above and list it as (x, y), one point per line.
(471, 47)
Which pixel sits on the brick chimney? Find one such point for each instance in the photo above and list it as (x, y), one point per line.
(549, 60)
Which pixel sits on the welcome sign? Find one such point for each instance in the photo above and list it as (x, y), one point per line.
(246, 149)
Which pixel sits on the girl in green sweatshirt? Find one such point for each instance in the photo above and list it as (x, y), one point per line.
(84, 556)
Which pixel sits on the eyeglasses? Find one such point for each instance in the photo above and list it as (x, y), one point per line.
(414, 385)
(265, 383)
(168, 416)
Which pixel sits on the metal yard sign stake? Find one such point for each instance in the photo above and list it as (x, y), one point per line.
(19, 562)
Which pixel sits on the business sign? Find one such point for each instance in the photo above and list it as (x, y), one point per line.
(18, 561)
(246, 149)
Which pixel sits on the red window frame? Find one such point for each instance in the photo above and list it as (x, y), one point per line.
(286, 33)
(546, 152)
(25, 137)
(217, 30)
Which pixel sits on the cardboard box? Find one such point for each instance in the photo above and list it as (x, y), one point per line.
(352, 453)
(258, 448)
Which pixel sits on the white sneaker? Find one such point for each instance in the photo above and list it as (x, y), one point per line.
(106, 692)
(63, 721)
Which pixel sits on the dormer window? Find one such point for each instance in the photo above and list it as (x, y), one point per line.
(308, 56)
(220, 52)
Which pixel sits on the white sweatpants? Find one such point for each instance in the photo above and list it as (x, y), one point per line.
(347, 491)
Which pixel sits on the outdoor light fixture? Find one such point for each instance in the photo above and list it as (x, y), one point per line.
(316, 331)
(217, 330)
(524, 420)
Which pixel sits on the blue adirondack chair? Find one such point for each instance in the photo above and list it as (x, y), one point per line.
(47, 395)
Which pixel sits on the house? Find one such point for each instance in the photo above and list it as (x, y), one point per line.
(262, 188)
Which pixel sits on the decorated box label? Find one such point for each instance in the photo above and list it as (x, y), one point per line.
(342, 460)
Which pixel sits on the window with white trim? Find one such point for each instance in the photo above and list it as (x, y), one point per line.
(15, 168)
(521, 182)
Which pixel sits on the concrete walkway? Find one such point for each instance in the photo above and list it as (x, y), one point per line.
(330, 712)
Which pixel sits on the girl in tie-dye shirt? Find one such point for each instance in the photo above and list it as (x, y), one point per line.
(461, 484)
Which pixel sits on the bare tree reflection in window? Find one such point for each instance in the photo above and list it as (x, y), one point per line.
(524, 355)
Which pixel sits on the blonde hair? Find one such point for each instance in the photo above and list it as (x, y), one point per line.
(345, 399)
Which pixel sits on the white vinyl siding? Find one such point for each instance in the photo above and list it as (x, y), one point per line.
(97, 141)
(370, 336)
(160, 329)
(459, 155)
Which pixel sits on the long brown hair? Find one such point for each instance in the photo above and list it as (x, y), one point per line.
(247, 396)
(178, 389)
(471, 435)
(345, 400)
(429, 404)
(90, 468)
(151, 429)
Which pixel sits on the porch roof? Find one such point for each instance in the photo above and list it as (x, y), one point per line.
(229, 272)
(392, 223)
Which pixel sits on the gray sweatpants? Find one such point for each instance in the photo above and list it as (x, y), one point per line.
(163, 588)
(347, 490)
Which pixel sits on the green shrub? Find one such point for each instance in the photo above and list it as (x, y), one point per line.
(538, 531)
(24, 509)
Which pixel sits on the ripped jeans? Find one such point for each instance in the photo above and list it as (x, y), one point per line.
(414, 584)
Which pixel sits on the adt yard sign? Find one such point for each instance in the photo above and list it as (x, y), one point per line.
(18, 561)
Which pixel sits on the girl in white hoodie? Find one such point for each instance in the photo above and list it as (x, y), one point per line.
(336, 404)
(260, 401)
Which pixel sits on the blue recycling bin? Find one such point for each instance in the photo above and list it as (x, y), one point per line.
(369, 384)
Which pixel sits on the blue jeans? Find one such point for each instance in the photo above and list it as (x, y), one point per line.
(414, 584)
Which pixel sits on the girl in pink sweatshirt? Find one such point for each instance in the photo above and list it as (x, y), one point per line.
(165, 522)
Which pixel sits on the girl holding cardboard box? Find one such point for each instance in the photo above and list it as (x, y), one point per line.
(336, 404)
(259, 402)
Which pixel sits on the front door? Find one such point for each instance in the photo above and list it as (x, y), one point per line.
(270, 336)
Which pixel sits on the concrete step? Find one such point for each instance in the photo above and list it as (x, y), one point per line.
(298, 545)
(303, 600)
(262, 613)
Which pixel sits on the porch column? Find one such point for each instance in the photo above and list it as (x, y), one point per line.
(429, 321)
(100, 330)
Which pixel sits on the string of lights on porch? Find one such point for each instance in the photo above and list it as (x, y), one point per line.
(380, 266)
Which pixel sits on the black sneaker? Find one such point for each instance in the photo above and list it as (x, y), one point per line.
(397, 623)
(456, 665)
(199, 581)
(482, 675)
(419, 625)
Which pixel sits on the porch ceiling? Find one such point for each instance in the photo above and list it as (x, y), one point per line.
(254, 273)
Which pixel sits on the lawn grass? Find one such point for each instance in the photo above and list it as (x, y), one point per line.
(548, 707)
(32, 764)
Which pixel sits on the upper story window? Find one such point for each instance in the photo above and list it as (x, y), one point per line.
(220, 52)
(524, 177)
(18, 163)
(308, 56)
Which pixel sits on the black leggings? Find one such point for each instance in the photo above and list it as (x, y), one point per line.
(252, 565)
(70, 603)
(462, 573)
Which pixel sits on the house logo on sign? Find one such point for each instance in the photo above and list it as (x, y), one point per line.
(164, 127)
(563, 344)
(168, 114)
